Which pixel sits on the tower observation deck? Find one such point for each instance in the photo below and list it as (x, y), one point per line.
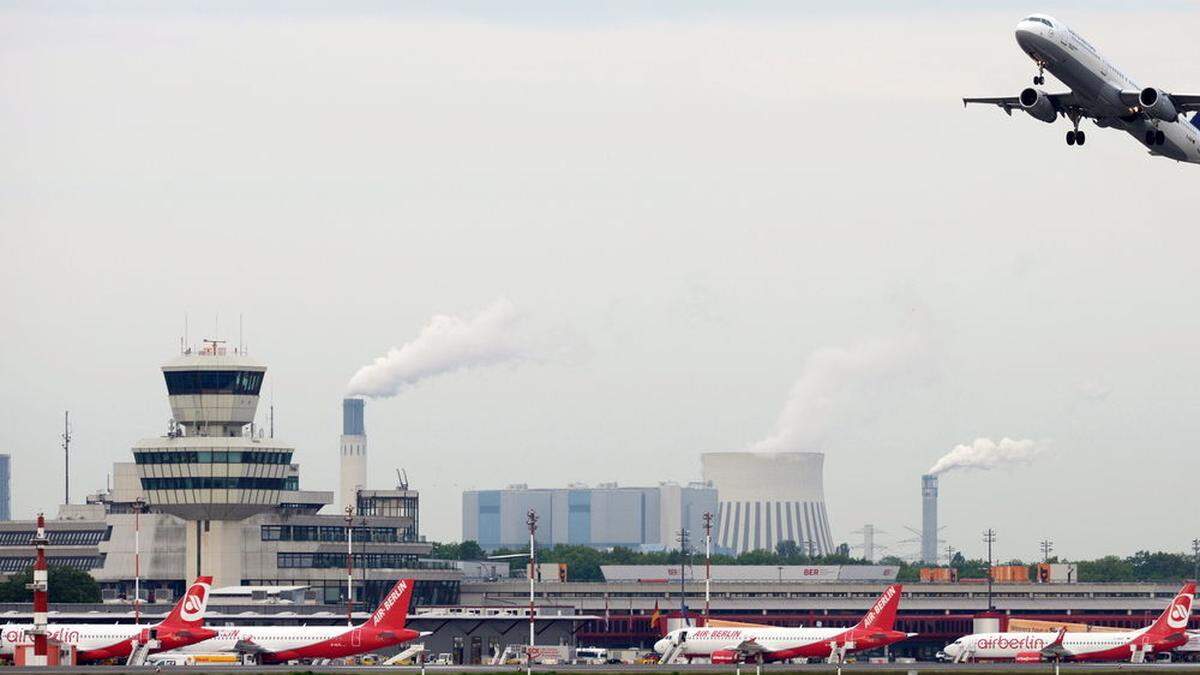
(211, 468)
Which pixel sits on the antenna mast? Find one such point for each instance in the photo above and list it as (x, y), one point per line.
(66, 446)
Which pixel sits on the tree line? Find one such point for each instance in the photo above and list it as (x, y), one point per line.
(583, 562)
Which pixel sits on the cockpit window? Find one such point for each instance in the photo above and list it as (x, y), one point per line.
(1039, 20)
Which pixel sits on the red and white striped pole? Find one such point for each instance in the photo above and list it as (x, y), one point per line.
(41, 587)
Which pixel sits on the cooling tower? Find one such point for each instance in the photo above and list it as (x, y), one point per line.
(769, 497)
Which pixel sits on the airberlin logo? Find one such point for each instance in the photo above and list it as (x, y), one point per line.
(880, 604)
(192, 608)
(1180, 612)
(388, 602)
(1006, 642)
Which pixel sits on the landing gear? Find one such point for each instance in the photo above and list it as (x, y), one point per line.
(1075, 136)
(1155, 137)
(1040, 78)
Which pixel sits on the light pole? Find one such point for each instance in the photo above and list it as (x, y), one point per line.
(138, 505)
(682, 538)
(708, 518)
(531, 519)
(1195, 559)
(989, 538)
(349, 565)
(1047, 546)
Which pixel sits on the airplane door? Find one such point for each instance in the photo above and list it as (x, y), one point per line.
(356, 638)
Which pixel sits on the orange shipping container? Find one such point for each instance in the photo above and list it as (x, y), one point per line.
(1012, 574)
(939, 574)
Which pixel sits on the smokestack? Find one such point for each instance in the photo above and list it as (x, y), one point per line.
(929, 524)
(354, 452)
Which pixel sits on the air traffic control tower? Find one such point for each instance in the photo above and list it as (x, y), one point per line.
(212, 469)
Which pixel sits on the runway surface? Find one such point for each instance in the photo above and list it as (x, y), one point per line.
(772, 669)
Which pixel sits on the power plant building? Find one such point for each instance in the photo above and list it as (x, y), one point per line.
(768, 498)
(605, 516)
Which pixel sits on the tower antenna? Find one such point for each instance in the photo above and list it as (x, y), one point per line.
(241, 340)
(66, 446)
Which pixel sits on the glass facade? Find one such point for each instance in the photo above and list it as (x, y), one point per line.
(5, 487)
(324, 560)
(79, 562)
(213, 483)
(211, 457)
(388, 535)
(238, 382)
(57, 537)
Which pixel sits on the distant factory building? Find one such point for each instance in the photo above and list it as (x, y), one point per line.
(768, 498)
(605, 516)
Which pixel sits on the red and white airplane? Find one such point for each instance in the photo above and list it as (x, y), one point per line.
(1166, 633)
(747, 642)
(99, 642)
(279, 644)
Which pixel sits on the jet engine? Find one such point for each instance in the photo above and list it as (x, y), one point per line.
(1157, 104)
(1038, 105)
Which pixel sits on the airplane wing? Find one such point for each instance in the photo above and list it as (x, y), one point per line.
(1062, 102)
(248, 647)
(1183, 102)
(749, 647)
(1056, 650)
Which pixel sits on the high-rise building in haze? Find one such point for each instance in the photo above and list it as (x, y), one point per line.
(647, 518)
(5, 487)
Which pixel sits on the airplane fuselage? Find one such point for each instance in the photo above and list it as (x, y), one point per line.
(1076, 646)
(1097, 83)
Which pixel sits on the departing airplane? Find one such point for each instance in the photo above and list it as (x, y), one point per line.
(1166, 633)
(748, 642)
(1100, 91)
(279, 644)
(99, 642)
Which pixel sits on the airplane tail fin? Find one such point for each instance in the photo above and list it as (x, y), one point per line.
(392, 611)
(1174, 618)
(882, 615)
(189, 611)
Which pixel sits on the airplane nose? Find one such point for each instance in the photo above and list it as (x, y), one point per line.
(661, 646)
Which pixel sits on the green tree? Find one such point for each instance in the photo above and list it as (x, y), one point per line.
(67, 584)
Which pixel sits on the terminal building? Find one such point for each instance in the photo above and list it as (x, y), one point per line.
(220, 496)
(605, 516)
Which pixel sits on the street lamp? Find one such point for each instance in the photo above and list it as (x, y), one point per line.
(349, 565)
(138, 505)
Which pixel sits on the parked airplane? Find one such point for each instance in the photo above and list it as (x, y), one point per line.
(279, 644)
(1166, 633)
(1100, 91)
(98, 642)
(736, 644)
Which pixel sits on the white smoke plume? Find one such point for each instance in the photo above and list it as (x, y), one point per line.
(832, 379)
(446, 344)
(985, 454)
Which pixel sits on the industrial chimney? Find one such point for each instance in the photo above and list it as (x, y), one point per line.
(354, 452)
(929, 523)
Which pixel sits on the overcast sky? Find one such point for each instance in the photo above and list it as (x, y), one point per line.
(695, 198)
